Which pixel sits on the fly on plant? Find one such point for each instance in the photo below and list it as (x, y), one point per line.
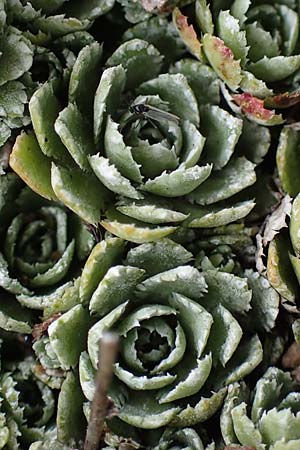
(151, 113)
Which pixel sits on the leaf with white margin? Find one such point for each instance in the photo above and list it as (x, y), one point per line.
(225, 335)
(57, 271)
(236, 394)
(84, 78)
(276, 68)
(44, 108)
(217, 216)
(132, 230)
(288, 160)
(174, 89)
(222, 184)
(193, 143)
(201, 411)
(157, 257)
(143, 313)
(189, 382)
(118, 153)
(141, 60)
(222, 60)
(254, 86)
(246, 358)
(96, 331)
(154, 212)
(239, 8)
(110, 176)
(79, 192)
(151, 416)
(69, 328)
(204, 17)
(245, 429)
(233, 37)
(10, 284)
(87, 376)
(176, 354)
(222, 132)
(107, 97)
(143, 382)
(13, 317)
(104, 255)
(179, 182)
(295, 225)
(265, 302)
(116, 286)
(196, 322)
(185, 280)
(76, 134)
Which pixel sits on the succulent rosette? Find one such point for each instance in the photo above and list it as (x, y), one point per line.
(266, 420)
(252, 40)
(37, 42)
(42, 249)
(283, 263)
(27, 405)
(143, 175)
(183, 332)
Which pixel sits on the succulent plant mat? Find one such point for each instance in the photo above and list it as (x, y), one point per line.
(149, 225)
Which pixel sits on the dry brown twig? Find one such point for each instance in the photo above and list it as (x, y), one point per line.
(108, 349)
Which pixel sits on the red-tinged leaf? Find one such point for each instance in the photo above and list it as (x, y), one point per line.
(221, 58)
(187, 33)
(282, 101)
(254, 109)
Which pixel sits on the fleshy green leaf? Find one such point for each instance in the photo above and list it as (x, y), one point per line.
(78, 191)
(103, 256)
(32, 165)
(69, 328)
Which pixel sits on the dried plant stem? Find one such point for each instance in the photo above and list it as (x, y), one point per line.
(108, 349)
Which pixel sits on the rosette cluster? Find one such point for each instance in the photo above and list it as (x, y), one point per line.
(183, 333)
(185, 164)
(267, 420)
(41, 252)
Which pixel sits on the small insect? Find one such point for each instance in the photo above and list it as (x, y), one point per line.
(151, 113)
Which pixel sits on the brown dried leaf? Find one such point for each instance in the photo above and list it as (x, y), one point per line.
(291, 358)
(41, 328)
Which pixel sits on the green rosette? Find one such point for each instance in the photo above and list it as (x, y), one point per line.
(27, 405)
(37, 42)
(283, 262)
(42, 249)
(267, 421)
(142, 177)
(183, 332)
